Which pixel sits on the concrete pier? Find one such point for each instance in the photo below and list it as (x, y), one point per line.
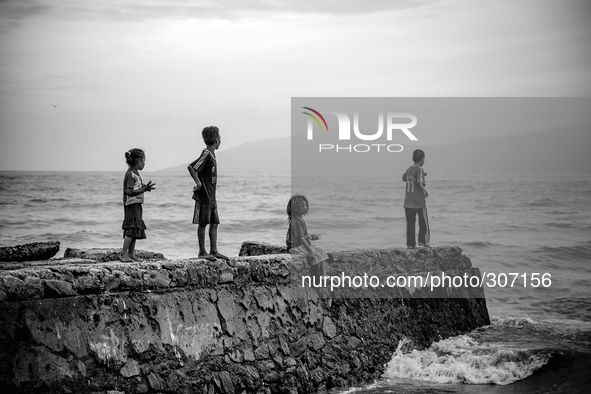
(195, 326)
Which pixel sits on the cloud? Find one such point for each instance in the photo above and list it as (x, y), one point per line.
(255, 9)
(12, 12)
(15, 11)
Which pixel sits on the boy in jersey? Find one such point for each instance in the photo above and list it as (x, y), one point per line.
(415, 201)
(204, 173)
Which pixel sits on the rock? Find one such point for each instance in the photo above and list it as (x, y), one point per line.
(131, 368)
(17, 289)
(328, 327)
(316, 341)
(224, 382)
(262, 352)
(58, 288)
(155, 382)
(226, 277)
(251, 248)
(30, 252)
(112, 254)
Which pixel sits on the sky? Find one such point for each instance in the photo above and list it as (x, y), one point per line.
(82, 82)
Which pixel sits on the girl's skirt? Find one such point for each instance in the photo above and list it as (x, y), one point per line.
(317, 263)
(319, 253)
(133, 225)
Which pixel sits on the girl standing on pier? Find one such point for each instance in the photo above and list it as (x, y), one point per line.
(133, 197)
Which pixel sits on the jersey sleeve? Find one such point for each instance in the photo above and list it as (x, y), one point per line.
(421, 176)
(200, 162)
(411, 175)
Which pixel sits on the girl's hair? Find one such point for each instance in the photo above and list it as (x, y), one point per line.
(134, 155)
(298, 205)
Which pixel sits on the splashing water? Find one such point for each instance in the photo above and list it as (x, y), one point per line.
(463, 360)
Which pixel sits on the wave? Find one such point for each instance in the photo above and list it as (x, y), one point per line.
(561, 225)
(573, 311)
(169, 204)
(541, 202)
(479, 244)
(462, 359)
(561, 213)
(385, 219)
(65, 238)
(577, 252)
(44, 200)
(511, 321)
(575, 328)
(248, 226)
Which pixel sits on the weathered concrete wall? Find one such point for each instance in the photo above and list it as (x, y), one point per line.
(209, 327)
(108, 254)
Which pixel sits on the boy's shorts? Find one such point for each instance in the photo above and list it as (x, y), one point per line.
(205, 213)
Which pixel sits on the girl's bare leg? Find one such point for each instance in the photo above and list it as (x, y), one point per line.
(125, 253)
(132, 250)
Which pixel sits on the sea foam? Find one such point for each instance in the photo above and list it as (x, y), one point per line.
(462, 359)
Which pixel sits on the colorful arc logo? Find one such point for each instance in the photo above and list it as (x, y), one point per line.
(315, 118)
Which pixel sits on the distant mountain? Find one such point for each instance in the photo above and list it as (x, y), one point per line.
(556, 151)
(268, 156)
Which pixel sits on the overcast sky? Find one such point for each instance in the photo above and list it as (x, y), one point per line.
(81, 82)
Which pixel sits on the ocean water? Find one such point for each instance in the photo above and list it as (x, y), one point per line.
(540, 337)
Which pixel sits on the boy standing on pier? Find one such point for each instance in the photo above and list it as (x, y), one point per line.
(204, 173)
(415, 201)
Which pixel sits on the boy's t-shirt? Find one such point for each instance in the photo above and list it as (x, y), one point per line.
(206, 168)
(414, 196)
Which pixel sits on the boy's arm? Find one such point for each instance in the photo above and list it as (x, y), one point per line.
(421, 183)
(421, 186)
(194, 169)
(195, 176)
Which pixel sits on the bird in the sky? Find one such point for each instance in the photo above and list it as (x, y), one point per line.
(55, 105)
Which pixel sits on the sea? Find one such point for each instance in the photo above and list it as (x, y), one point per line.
(532, 232)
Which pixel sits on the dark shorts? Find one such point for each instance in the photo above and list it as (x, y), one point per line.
(205, 214)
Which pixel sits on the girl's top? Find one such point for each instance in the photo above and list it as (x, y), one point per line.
(296, 230)
(132, 181)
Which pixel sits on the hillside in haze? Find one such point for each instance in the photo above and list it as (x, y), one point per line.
(556, 151)
(267, 156)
